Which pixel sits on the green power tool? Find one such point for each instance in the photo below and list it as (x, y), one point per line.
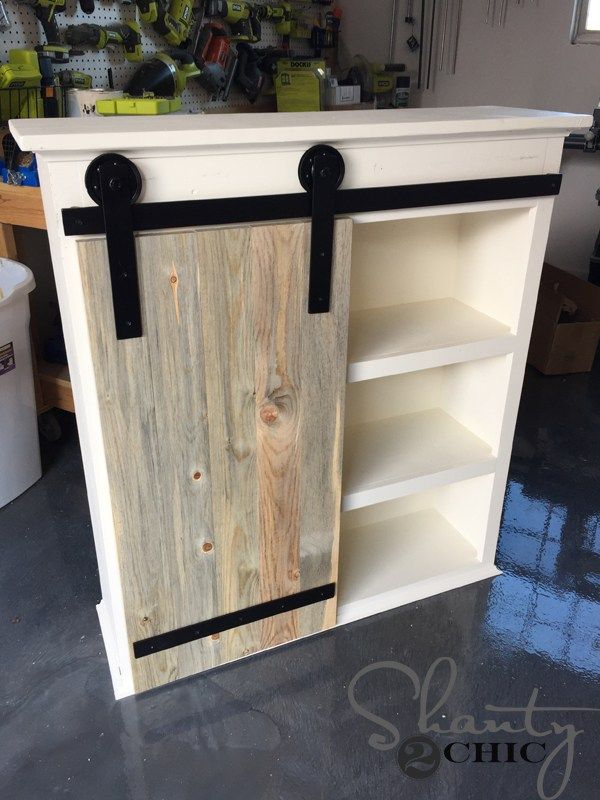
(73, 79)
(280, 15)
(126, 36)
(172, 20)
(21, 72)
(46, 11)
(155, 88)
(34, 89)
(243, 20)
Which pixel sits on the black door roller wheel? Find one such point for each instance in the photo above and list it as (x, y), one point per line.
(92, 176)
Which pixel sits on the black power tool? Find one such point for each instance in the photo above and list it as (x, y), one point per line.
(163, 75)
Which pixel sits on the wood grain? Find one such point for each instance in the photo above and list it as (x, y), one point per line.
(55, 384)
(8, 248)
(21, 205)
(222, 430)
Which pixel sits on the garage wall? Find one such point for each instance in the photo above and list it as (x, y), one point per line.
(531, 63)
(366, 30)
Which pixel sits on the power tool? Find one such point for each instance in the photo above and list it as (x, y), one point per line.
(215, 58)
(46, 11)
(375, 80)
(21, 72)
(173, 20)
(248, 75)
(126, 35)
(156, 87)
(241, 17)
(231, 12)
(280, 15)
(57, 53)
(268, 58)
(72, 79)
(38, 92)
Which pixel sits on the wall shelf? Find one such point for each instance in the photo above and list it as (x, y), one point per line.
(409, 453)
(413, 336)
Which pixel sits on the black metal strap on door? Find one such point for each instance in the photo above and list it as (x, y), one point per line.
(114, 183)
(190, 633)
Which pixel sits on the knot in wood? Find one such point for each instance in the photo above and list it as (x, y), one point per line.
(269, 414)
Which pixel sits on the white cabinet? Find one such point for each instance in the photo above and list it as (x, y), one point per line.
(219, 420)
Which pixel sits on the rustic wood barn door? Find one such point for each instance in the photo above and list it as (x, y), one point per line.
(222, 427)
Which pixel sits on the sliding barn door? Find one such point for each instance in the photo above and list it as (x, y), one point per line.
(222, 428)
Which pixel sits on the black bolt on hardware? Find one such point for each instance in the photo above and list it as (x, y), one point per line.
(114, 183)
(321, 172)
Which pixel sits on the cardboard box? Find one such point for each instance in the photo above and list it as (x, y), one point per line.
(299, 84)
(566, 328)
(336, 96)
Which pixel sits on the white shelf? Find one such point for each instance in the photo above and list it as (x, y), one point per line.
(410, 453)
(415, 336)
(400, 560)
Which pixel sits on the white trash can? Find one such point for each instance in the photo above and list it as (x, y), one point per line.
(20, 464)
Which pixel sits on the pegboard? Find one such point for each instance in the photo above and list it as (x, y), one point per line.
(26, 32)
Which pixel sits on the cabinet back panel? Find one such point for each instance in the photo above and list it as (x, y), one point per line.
(403, 261)
(222, 427)
(479, 258)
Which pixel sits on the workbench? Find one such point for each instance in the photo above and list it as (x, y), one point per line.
(22, 206)
(297, 345)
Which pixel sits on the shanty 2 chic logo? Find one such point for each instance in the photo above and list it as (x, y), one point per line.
(549, 744)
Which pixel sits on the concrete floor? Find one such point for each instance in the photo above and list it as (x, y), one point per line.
(281, 725)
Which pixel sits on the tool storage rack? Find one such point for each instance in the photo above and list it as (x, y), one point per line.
(427, 280)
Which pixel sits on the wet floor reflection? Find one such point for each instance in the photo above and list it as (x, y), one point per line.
(548, 601)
